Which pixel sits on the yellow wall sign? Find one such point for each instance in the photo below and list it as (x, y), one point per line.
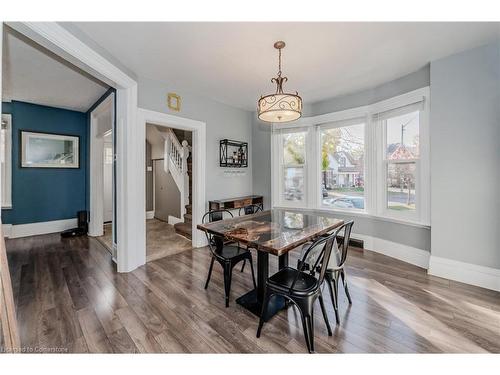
(174, 101)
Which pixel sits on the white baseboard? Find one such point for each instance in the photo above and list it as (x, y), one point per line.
(468, 273)
(174, 220)
(33, 229)
(150, 215)
(408, 254)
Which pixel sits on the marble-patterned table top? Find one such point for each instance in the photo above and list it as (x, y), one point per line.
(276, 231)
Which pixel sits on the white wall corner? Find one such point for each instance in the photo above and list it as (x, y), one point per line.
(468, 273)
(408, 254)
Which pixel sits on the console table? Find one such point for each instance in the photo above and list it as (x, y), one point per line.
(238, 202)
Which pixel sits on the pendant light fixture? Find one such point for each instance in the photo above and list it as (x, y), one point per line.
(280, 106)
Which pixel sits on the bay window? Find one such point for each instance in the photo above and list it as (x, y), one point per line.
(371, 160)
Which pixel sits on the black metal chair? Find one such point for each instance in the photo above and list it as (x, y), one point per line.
(336, 268)
(302, 288)
(336, 265)
(227, 255)
(249, 210)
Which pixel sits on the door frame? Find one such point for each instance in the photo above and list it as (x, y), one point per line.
(129, 152)
(198, 128)
(96, 166)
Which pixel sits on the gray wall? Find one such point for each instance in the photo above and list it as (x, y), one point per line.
(399, 86)
(223, 121)
(409, 235)
(465, 156)
(167, 194)
(261, 157)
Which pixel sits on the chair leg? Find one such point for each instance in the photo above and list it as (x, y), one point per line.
(307, 325)
(263, 313)
(325, 316)
(210, 272)
(253, 273)
(344, 281)
(243, 266)
(227, 281)
(334, 294)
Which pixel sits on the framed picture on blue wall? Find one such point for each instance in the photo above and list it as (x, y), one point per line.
(47, 150)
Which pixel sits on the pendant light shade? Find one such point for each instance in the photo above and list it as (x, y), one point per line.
(280, 106)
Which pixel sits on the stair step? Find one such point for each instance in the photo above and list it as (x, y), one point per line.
(188, 218)
(183, 229)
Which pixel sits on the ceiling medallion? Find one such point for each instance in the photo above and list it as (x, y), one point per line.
(280, 106)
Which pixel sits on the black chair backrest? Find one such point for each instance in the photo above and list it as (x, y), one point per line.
(325, 246)
(251, 209)
(211, 216)
(339, 255)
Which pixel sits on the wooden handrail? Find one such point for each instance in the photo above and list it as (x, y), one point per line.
(8, 318)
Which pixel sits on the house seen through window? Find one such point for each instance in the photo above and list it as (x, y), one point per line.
(342, 167)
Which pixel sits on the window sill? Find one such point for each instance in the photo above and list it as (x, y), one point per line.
(6, 207)
(360, 214)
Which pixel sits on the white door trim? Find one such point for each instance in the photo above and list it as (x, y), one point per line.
(131, 215)
(96, 165)
(199, 159)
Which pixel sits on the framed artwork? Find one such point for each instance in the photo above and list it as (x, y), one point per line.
(47, 150)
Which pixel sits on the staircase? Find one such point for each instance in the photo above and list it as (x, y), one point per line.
(185, 228)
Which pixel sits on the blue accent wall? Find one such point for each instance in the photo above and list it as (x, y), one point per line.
(46, 194)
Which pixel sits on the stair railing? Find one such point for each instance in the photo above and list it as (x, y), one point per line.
(175, 162)
(186, 149)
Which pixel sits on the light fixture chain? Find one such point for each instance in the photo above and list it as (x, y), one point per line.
(279, 62)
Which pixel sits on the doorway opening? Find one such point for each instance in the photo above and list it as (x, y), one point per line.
(168, 191)
(48, 101)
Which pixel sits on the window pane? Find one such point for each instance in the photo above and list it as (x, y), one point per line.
(403, 136)
(401, 186)
(342, 167)
(293, 183)
(294, 150)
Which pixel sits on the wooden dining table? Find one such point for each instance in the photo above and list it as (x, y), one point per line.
(274, 232)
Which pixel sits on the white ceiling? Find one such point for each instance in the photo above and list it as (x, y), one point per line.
(234, 62)
(35, 75)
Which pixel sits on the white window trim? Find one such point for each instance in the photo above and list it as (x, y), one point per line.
(278, 136)
(7, 177)
(374, 179)
(334, 125)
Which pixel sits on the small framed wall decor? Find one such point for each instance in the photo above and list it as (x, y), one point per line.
(174, 101)
(47, 150)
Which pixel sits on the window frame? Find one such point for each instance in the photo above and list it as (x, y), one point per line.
(281, 168)
(7, 174)
(337, 125)
(383, 166)
(375, 167)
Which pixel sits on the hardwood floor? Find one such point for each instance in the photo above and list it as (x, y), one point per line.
(70, 299)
